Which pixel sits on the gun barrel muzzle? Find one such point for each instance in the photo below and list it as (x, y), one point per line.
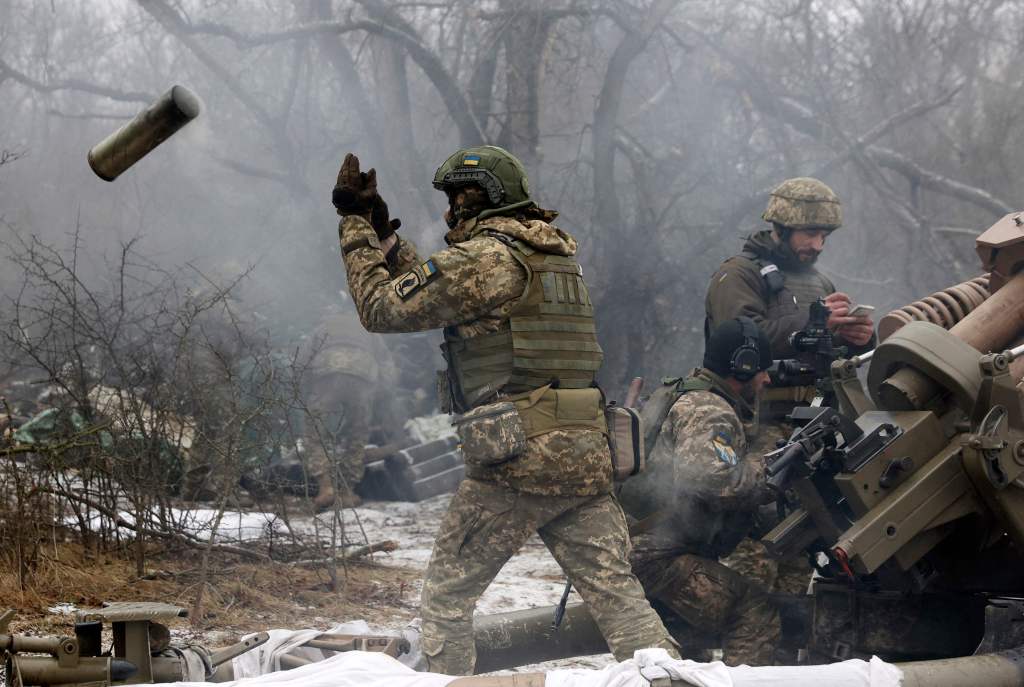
(148, 129)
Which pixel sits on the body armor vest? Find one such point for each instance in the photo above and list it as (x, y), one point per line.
(796, 289)
(551, 339)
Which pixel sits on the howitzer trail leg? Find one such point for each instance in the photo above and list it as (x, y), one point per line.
(591, 544)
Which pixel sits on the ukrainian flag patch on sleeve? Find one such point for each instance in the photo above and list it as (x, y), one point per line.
(470, 160)
(415, 279)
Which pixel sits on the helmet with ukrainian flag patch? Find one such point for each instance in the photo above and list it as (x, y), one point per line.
(494, 169)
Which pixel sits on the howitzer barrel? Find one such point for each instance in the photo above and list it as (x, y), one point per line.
(148, 129)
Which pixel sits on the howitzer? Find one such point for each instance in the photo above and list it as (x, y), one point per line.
(923, 497)
(141, 651)
(827, 443)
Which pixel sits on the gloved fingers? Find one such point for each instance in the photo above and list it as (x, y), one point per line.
(346, 201)
(349, 171)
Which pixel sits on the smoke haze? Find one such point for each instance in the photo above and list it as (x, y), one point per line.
(655, 127)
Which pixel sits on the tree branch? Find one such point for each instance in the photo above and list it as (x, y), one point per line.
(810, 124)
(74, 85)
(386, 23)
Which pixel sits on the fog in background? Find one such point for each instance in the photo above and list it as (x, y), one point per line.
(656, 128)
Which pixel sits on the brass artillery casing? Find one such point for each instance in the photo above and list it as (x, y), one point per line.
(148, 129)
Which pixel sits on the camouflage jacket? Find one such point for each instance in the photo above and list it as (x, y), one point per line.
(738, 288)
(705, 486)
(473, 285)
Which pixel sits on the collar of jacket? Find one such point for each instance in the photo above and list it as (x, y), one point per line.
(720, 387)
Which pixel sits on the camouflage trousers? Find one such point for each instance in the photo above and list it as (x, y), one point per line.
(787, 575)
(486, 524)
(712, 598)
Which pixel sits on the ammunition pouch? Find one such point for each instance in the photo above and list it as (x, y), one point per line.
(491, 434)
(626, 441)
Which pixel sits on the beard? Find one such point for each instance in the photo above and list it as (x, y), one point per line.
(749, 393)
(808, 257)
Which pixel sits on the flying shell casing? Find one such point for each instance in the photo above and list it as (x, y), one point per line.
(148, 129)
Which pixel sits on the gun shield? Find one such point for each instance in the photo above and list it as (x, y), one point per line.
(148, 129)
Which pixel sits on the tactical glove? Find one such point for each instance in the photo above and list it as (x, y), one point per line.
(355, 193)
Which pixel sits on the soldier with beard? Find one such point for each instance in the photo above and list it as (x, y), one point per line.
(699, 495)
(520, 343)
(774, 281)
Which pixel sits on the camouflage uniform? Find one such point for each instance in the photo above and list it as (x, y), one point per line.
(559, 486)
(696, 501)
(738, 288)
(789, 575)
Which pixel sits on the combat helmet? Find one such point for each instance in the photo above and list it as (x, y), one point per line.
(804, 203)
(494, 169)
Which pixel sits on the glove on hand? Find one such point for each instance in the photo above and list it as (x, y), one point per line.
(379, 219)
(355, 193)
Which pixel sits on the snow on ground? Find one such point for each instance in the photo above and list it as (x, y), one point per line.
(530, 579)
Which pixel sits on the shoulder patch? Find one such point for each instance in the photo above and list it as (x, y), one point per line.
(722, 444)
(415, 279)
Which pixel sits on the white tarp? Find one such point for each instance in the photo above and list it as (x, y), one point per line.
(368, 669)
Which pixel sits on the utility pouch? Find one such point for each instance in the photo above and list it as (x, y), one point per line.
(545, 409)
(626, 441)
(491, 434)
